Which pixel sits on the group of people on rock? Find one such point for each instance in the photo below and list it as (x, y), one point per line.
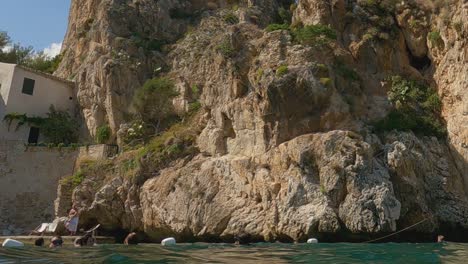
(71, 225)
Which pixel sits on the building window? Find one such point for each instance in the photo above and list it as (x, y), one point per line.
(28, 86)
(33, 135)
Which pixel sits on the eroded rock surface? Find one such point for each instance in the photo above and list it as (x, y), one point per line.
(317, 184)
(305, 186)
(284, 154)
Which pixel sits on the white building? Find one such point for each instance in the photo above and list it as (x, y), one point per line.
(26, 91)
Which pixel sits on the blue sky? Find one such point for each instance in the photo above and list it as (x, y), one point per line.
(37, 23)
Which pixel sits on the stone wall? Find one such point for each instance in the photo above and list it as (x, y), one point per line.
(98, 151)
(64, 198)
(28, 182)
(29, 177)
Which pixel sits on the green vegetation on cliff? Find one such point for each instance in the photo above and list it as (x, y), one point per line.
(177, 142)
(282, 70)
(75, 179)
(103, 134)
(435, 38)
(416, 108)
(86, 168)
(314, 35)
(141, 161)
(226, 48)
(158, 136)
(153, 102)
(230, 18)
(273, 27)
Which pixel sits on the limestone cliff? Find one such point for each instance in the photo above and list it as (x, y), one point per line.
(286, 145)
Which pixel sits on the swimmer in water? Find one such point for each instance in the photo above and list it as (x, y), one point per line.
(131, 239)
(85, 241)
(39, 242)
(56, 242)
(242, 239)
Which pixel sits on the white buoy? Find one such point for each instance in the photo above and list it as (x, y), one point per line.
(170, 241)
(12, 243)
(312, 241)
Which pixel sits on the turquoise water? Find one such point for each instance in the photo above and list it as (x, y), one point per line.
(256, 253)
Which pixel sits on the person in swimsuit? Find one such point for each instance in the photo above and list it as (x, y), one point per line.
(72, 223)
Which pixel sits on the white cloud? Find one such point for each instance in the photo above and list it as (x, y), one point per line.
(53, 50)
(7, 48)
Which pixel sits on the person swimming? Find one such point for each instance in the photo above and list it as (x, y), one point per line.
(131, 239)
(242, 239)
(56, 242)
(39, 242)
(440, 239)
(86, 240)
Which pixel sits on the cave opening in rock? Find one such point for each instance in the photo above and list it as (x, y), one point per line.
(228, 128)
(419, 63)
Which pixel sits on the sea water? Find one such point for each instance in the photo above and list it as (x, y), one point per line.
(255, 253)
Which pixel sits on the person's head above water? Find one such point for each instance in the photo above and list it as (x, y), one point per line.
(242, 239)
(440, 238)
(86, 240)
(131, 239)
(56, 242)
(39, 242)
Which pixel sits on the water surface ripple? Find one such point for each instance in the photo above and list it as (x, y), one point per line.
(256, 253)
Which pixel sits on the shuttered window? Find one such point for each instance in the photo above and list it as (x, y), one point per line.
(28, 86)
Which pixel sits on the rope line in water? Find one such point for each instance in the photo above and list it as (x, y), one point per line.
(404, 229)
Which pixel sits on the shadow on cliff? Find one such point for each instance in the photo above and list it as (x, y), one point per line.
(2, 109)
(460, 164)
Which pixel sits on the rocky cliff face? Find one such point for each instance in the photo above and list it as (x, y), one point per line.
(286, 149)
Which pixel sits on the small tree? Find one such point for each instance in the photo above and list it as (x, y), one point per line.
(314, 35)
(4, 40)
(285, 15)
(59, 127)
(153, 101)
(417, 108)
(17, 54)
(26, 56)
(103, 134)
(43, 63)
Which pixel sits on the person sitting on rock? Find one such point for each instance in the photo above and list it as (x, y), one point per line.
(72, 223)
